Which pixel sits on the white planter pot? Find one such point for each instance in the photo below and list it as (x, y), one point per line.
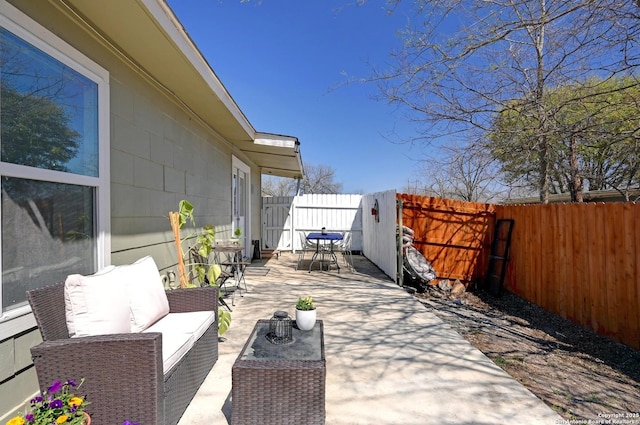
(305, 319)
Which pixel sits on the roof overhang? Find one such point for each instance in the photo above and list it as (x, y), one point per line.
(148, 36)
(277, 155)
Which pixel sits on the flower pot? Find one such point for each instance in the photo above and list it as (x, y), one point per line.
(87, 418)
(305, 319)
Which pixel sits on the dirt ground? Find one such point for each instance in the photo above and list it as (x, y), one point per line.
(583, 376)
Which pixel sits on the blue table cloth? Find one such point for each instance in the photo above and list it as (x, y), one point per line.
(324, 237)
(331, 237)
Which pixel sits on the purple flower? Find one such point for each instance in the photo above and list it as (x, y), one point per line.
(37, 399)
(129, 423)
(55, 387)
(56, 404)
(29, 417)
(71, 382)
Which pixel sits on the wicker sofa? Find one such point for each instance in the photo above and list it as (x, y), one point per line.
(126, 376)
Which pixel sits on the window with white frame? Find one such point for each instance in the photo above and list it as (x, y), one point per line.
(54, 160)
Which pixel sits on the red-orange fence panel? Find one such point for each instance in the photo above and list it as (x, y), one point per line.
(454, 236)
(580, 261)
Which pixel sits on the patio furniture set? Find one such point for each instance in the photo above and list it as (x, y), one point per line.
(144, 351)
(325, 247)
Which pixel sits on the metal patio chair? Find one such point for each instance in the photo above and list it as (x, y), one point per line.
(344, 246)
(220, 276)
(305, 246)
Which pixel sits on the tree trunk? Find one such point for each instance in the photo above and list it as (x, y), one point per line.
(543, 124)
(576, 180)
(544, 167)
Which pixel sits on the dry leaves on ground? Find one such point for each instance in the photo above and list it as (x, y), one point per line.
(578, 373)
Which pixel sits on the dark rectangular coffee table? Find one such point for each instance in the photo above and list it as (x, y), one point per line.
(280, 384)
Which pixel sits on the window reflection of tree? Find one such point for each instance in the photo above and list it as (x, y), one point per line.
(47, 227)
(35, 132)
(35, 122)
(35, 127)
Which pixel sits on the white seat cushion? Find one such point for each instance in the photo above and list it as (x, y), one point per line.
(174, 347)
(193, 322)
(179, 332)
(146, 293)
(97, 304)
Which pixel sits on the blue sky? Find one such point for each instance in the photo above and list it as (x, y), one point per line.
(285, 63)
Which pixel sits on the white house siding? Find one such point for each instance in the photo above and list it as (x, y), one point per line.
(159, 155)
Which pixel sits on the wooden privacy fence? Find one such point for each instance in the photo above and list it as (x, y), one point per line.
(577, 260)
(454, 236)
(580, 261)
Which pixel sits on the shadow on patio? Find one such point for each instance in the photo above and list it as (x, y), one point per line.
(388, 359)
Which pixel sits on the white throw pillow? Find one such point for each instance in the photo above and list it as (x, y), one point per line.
(147, 296)
(97, 304)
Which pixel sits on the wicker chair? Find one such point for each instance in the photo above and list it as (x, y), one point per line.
(124, 376)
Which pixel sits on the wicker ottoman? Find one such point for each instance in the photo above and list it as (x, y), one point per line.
(280, 384)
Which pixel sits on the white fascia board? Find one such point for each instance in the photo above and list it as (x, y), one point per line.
(276, 140)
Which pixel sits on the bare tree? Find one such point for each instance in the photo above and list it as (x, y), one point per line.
(464, 173)
(417, 187)
(465, 61)
(317, 179)
(278, 186)
(320, 179)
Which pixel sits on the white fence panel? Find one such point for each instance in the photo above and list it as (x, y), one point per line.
(336, 212)
(276, 222)
(379, 235)
(283, 218)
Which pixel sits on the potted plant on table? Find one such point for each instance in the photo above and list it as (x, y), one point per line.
(305, 313)
(237, 234)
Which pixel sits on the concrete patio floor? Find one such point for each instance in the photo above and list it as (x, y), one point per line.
(389, 360)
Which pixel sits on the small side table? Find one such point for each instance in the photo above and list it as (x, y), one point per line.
(280, 384)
